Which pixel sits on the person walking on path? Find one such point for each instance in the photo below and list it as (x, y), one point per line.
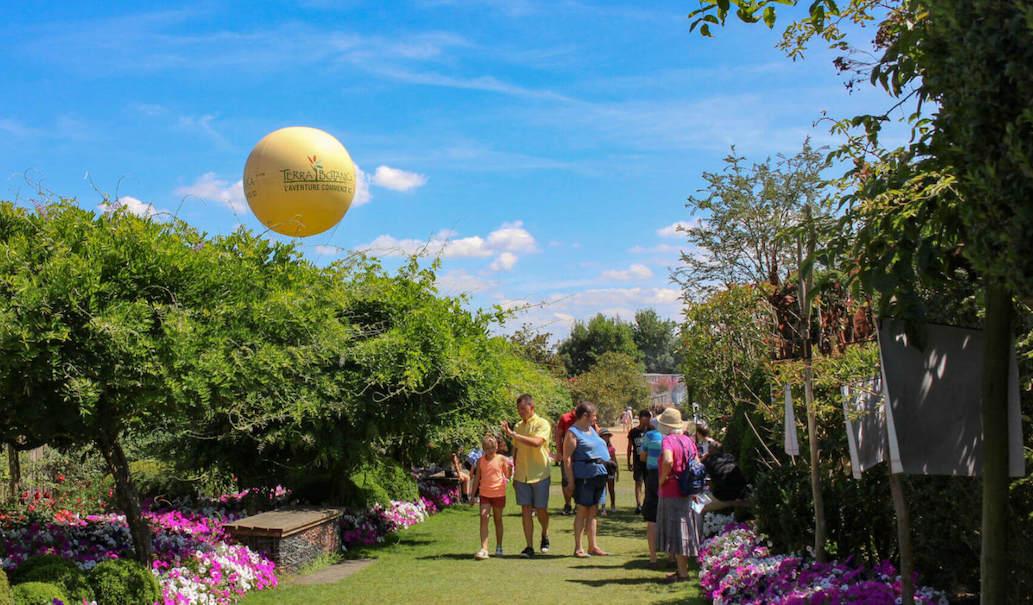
(585, 458)
(626, 419)
(636, 466)
(564, 423)
(677, 530)
(612, 473)
(489, 482)
(531, 478)
(652, 444)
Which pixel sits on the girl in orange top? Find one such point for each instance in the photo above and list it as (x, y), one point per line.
(490, 476)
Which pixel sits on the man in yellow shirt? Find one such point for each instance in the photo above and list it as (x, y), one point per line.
(531, 477)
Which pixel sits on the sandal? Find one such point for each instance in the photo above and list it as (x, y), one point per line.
(674, 577)
(599, 552)
(582, 554)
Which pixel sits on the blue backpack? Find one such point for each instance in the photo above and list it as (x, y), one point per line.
(692, 479)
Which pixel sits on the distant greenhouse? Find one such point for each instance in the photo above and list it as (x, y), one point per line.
(666, 389)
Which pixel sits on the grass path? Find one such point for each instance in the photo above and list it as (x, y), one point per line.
(432, 563)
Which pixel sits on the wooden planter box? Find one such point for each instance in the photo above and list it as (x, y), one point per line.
(293, 537)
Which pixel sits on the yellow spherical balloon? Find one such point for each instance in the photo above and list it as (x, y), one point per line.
(299, 181)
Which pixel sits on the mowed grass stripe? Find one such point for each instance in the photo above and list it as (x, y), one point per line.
(433, 563)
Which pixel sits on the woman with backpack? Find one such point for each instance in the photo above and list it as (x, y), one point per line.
(680, 476)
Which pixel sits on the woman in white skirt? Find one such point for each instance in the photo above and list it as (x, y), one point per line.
(676, 522)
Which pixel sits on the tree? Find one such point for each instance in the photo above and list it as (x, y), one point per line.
(91, 322)
(745, 235)
(657, 339)
(535, 347)
(614, 383)
(588, 342)
(751, 235)
(967, 68)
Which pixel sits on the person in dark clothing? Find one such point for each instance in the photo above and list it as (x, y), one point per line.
(635, 464)
(727, 482)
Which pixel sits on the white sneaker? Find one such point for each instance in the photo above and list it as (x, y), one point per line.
(481, 555)
(498, 551)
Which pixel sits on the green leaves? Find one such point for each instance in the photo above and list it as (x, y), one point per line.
(247, 357)
(590, 341)
(613, 383)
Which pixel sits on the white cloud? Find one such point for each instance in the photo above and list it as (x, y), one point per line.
(397, 179)
(504, 242)
(600, 298)
(327, 250)
(504, 262)
(565, 318)
(635, 271)
(513, 303)
(657, 249)
(461, 282)
(209, 187)
(512, 237)
(677, 229)
(466, 247)
(557, 312)
(362, 194)
(132, 205)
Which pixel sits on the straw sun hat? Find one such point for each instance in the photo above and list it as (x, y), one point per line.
(670, 421)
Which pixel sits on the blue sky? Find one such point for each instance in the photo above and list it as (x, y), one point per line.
(543, 147)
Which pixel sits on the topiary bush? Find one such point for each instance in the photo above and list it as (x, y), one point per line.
(6, 598)
(72, 580)
(29, 566)
(124, 582)
(38, 593)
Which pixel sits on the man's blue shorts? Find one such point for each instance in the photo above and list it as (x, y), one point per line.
(532, 494)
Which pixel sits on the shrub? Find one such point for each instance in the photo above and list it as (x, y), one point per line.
(123, 581)
(6, 598)
(66, 575)
(380, 481)
(154, 478)
(30, 565)
(38, 593)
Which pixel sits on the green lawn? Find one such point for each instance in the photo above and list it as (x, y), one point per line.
(433, 563)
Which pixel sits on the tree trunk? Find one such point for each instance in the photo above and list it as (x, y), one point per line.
(812, 445)
(808, 392)
(907, 563)
(996, 361)
(14, 469)
(127, 498)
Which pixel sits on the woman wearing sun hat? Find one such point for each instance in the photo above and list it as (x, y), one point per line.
(676, 522)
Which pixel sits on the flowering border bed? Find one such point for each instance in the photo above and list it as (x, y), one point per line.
(737, 568)
(195, 561)
(373, 526)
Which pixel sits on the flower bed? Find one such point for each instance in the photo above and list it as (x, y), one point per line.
(193, 561)
(737, 568)
(372, 526)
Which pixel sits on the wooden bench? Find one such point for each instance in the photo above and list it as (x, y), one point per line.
(290, 537)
